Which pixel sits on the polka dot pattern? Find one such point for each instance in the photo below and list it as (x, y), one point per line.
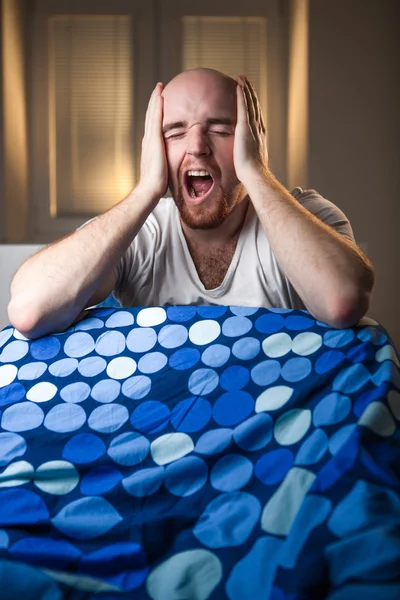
(150, 442)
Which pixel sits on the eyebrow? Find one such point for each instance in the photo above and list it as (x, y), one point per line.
(211, 121)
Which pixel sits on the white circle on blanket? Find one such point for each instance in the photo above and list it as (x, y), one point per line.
(42, 392)
(148, 317)
(277, 345)
(56, 477)
(121, 318)
(7, 374)
(14, 351)
(121, 367)
(170, 447)
(204, 332)
(306, 343)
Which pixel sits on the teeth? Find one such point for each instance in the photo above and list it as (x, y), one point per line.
(198, 174)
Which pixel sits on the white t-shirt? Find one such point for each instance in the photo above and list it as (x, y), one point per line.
(157, 269)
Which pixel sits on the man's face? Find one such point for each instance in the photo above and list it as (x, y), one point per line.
(199, 125)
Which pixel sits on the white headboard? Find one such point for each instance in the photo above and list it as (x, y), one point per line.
(11, 257)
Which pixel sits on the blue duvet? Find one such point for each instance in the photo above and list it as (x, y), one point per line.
(199, 453)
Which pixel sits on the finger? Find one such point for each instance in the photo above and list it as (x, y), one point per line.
(242, 112)
(155, 116)
(254, 99)
(251, 112)
(150, 109)
(256, 102)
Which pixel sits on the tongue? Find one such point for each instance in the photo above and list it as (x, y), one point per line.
(201, 185)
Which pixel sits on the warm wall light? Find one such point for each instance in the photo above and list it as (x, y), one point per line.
(297, 158)
(15, 137)
(91, 113)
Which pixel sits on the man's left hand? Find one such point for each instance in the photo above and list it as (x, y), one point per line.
(250, 150)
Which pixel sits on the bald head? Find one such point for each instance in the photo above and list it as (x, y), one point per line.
(194, 77)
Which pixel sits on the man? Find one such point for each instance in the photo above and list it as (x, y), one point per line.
(232, 235)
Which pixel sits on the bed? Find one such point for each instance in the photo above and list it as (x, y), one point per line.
(199, 453)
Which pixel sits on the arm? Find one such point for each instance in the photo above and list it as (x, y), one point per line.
(52, 287)
(329, 272)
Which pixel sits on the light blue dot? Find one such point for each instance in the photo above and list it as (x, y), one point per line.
(4, 539)
(151, 416)
(313, 449)
(216, 355)
(270, 323)
(12, 445)
(110, 343)
(79, 344)
(246, 348)
(243, 311)
(121, 318)
(14, 351)
(322, 324)
(203, 382)
(388, 371)
(338, 338)
(31, 371)
(63, 367)
(181, 314)
(141, 340)
(254, 433)
(273, 467)
(106, 390)
(108, 418)
(296, 369)
(372, 335)
(144, 482)
(298, 323)
(152, 362)
(232, 472)
(22, 417)
(332, 409)
(5, 336)
(45, 348)
(129, 449)
(100, 480)
(266, 372)
(184, 358)
(186, 476)
(84, 448)
(228, 520)
(214, 441)
(232, 408)
(86, 518)
(234, 378)
(92, 366)
(236, 326)
(211, 312)
(351, 379)
(88, 324)
(340, 437)
(172, 336)
(64, 418)
(136, 387)
(75, 392)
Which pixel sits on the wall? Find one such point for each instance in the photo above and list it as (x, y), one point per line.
(354, 150)
(14, 193)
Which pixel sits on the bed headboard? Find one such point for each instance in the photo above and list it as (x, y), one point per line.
(11, 257)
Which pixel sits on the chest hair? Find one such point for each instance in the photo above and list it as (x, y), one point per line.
(212, 263)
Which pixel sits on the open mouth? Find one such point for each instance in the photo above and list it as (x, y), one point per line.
(198, 185)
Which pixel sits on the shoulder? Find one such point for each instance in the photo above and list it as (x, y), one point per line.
(323, 209)
(160, 220)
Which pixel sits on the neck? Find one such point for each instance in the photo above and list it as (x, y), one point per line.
(224, 233)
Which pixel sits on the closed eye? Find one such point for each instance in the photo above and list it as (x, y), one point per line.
(223, 133)
(174, 135)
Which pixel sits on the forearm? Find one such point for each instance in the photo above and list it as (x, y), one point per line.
(331, 275)
(51, 288)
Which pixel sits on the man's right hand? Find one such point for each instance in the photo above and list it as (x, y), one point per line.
(153, 163)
